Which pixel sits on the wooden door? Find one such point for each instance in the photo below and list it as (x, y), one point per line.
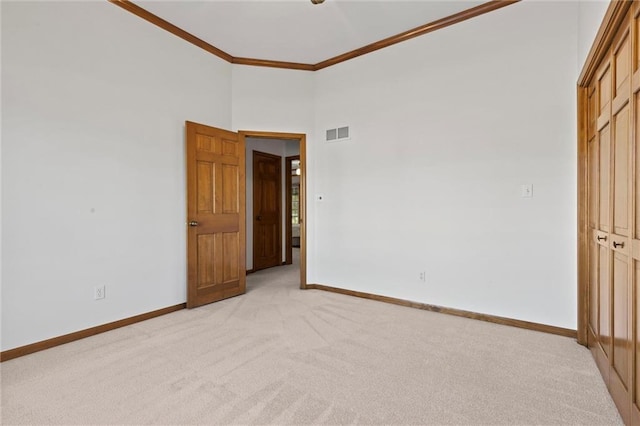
(612, 149)
(593, 155)
(609, 218)
(267, 210)
(602, 169)
(634, 250)
(215, 214)
(620, 376)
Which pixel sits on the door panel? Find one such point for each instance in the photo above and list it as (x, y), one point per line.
(267, 210)
(216, 209)
(231, 193)
(604, 91)
(592, 112)
(621, 343)
(593, 286)
(230, 250)
(603, 177)
(636, 352)
(206, 173)
(637, 164)
(623, 69)
(621, 173)
(206, 269)
(605, 298)
(593, 183)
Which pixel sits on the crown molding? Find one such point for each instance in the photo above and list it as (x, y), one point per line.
(613, 18)
(272, 64)
(418, 31)
(168, 26)
(398, 38)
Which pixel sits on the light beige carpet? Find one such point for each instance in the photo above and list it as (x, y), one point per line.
(280, 355)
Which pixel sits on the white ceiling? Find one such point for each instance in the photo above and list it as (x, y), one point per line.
(296, 30)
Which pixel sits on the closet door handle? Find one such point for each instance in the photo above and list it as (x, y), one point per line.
(616, 245)
(601, 238)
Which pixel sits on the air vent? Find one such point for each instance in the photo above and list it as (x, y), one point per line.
(338, 134)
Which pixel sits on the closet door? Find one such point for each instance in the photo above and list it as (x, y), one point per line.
(613, 216)
(602, 349)
(635, 208)
(592, 218)
(620, 377)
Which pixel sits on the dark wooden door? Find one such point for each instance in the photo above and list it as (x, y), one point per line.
(267, 210)
(215, 214)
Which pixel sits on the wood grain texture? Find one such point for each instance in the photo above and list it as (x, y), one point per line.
(398, 38)
(71, 337)
(611, 81)
(583, 221)
(273, 64)
(216, 204)
(451, 311)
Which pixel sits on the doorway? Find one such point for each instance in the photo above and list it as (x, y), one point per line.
(287, 146)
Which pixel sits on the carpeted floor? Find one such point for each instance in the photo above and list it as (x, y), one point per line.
(280, 355)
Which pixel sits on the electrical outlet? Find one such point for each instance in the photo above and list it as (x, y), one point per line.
(423, 276)
(99, 292)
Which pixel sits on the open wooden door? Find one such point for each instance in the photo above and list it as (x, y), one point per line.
(267, 210)
(215, 214)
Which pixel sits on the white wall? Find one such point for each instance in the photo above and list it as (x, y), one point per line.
(445, 129)
(284, 149)
(93, 174)
(292, 148)
(276, 100)
(590, 15)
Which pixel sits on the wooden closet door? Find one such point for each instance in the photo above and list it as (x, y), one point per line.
(603, 135)
(620, 378)
(592, 217)
(613, 214)
(635, 208)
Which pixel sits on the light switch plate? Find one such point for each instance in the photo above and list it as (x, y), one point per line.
(526, 190)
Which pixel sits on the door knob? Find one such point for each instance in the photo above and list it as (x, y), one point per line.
(258, 217)
(193, 223)
(602, 238)
(616, 245)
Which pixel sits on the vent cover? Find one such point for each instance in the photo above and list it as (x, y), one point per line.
(338, 134)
